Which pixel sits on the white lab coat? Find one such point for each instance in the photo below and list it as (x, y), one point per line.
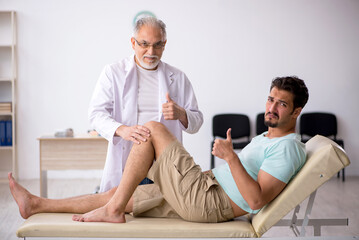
(114, 102)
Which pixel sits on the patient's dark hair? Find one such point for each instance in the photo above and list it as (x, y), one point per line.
(294, 85)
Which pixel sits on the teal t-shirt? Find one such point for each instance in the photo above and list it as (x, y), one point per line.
(280, 157)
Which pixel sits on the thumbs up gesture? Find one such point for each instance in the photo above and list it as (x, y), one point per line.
(169, 99)
(223, 148)
(172, 111)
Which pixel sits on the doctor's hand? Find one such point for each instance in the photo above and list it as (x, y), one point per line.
(172, 111)
(136, 134)
(223, 148)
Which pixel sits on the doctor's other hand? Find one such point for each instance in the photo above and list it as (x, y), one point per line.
(223, 148)
(172, 111)
(136, 134)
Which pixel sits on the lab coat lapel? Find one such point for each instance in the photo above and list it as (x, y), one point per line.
(130, 92)
(165, 81)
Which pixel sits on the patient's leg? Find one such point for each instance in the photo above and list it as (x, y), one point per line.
(30, 204)
(137, 165)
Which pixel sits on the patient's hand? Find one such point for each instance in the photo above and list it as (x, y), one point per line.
(224, 148)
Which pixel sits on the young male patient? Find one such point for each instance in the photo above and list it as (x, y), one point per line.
(247, 182)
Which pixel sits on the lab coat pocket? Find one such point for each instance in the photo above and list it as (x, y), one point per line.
(174, 98)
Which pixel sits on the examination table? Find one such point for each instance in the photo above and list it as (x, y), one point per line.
(324, 159)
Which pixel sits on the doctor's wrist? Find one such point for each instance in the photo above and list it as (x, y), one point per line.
(183, 118)
(119, 130)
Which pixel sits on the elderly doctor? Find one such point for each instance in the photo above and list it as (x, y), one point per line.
(136, 90)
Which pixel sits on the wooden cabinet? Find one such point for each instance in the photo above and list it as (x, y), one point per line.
(8, 72)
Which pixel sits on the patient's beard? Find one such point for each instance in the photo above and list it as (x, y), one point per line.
(269, 124)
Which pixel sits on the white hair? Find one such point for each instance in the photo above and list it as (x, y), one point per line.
(150, 21)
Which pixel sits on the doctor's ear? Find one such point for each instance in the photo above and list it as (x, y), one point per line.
(133, 43)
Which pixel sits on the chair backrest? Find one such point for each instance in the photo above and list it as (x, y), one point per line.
(260, 126)
(239, 123)
(321, 123)
(324, 159)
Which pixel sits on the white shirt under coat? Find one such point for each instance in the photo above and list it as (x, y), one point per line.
(114, 103)
(148, 95)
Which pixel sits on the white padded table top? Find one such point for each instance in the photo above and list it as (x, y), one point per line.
(61, 225)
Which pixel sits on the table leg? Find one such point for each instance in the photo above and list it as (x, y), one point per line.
(43, 184)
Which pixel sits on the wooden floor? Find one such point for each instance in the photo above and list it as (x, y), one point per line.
(335, 199)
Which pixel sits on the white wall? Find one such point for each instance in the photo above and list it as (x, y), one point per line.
(230, 50)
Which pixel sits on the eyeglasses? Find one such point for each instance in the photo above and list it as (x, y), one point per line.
(145, 45)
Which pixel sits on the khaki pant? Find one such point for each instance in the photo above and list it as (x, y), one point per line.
(180, 189)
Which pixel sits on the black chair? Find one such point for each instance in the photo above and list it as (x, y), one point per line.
(260, 126)
(239, 123)
(321, 123)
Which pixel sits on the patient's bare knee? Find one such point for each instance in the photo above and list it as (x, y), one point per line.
(155, 126)
(160, 136)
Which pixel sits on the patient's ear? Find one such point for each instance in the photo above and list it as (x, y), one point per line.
(297, 112)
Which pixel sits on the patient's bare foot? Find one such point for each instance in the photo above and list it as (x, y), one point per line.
(101, 214)
(24, 199)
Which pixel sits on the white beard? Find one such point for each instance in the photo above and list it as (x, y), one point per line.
(148, 66)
